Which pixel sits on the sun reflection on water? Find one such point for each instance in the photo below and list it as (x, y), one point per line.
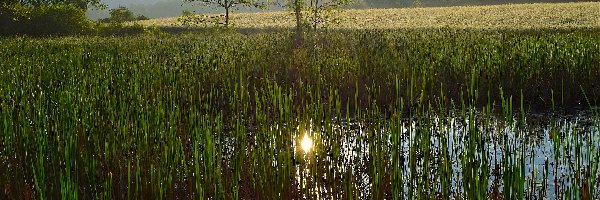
(306, 143)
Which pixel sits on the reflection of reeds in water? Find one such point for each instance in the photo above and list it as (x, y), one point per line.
(392, 115)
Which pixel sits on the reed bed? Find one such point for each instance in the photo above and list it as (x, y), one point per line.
(394, 114)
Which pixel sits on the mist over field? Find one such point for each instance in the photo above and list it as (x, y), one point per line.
(160, 8)
(149, 8)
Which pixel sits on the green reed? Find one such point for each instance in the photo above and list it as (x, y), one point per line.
(416, 114)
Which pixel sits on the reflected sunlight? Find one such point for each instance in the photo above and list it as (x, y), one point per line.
(306, 143)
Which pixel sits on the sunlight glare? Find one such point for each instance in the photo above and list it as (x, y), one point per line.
(306, 143)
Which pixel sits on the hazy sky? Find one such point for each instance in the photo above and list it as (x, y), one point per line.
(114, 3)
(157, 8)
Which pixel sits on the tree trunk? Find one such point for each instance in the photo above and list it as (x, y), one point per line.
(227, 6)
(297, 12)
(227, 17)
(316, 15)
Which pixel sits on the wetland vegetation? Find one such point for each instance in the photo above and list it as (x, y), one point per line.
(401, 113)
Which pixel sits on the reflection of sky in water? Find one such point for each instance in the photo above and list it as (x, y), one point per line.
(538, 146)
(345, 147)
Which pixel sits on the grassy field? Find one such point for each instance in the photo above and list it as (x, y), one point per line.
(423, 113)
(517, 16)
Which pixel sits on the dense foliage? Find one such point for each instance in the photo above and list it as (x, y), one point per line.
(229, 5)
(122, 14)
(81, 4)
(215, 114)
(44, 20)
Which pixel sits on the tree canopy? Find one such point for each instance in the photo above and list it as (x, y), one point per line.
(83, 4)
(228, 5)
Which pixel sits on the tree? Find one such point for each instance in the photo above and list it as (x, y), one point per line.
(322, 11)
(121, 14)
(82, 4)
(45, 17)
(297, 6)
(11, 12)
(228, 5)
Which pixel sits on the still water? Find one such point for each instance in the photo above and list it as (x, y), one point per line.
(555, 157)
